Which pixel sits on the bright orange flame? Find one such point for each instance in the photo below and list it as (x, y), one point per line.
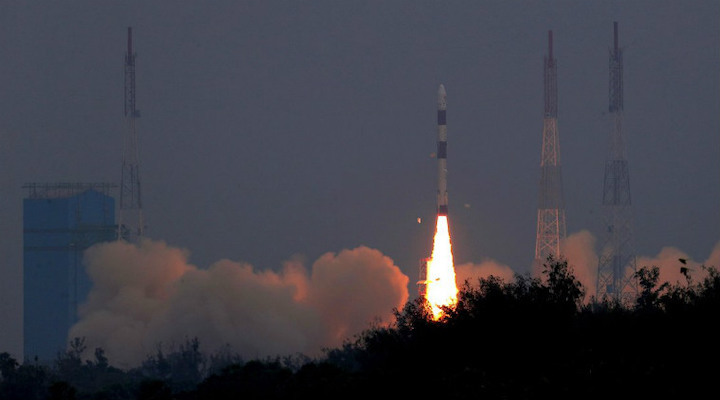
(441, 289)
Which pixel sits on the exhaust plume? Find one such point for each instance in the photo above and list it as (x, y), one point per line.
(148, 294)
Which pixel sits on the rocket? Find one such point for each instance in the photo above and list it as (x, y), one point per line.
(442, 201)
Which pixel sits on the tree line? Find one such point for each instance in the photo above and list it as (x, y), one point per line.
(530, 338)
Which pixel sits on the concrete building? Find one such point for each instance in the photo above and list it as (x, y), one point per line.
(60, 221)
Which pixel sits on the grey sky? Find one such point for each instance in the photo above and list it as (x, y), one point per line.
(272, 129)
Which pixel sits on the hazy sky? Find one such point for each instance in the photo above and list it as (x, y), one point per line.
(277, 129)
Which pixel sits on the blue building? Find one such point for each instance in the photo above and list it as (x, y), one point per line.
(60, 221)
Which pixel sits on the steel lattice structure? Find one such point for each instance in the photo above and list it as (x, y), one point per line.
(617, 263)
(551, 205)
(130, 220)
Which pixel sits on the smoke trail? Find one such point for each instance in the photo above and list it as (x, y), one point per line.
(148, 294)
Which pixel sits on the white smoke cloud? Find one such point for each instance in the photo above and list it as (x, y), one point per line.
(354, 287)
(148, 294)
(579, 251)
(669, 263)
(714, 258)
(470, 272)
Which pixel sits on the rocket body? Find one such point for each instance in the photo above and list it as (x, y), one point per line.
(442, 201)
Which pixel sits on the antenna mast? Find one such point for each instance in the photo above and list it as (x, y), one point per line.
(130, 224)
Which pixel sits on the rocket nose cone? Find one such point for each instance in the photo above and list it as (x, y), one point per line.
(442, 97)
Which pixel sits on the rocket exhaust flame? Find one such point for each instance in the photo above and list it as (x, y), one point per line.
(441, 289)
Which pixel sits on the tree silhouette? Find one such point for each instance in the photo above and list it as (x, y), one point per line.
(526, 338)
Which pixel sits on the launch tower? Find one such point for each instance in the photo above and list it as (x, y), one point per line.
(551, 208)
(130, 220)
(617, 264)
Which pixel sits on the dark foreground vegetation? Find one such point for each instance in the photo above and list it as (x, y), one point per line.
(525, 339)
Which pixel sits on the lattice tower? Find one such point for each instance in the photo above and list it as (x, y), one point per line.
(551, 227)
(617, 263)
(130, 220)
